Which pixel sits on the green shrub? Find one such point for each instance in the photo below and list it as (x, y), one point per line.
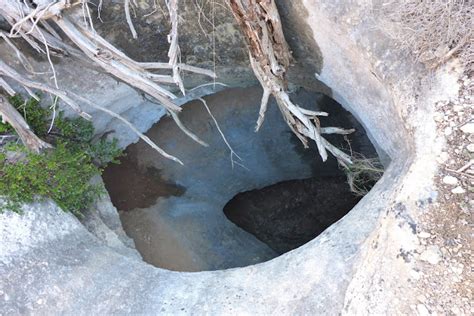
(78, 134)
(34, 114)
(63, 173)
(4, 128)
(60, 174)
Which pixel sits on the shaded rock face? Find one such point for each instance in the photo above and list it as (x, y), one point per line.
(201, 44)
(178, 222)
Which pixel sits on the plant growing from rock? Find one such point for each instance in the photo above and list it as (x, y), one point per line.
(362, 173)
(61, 173)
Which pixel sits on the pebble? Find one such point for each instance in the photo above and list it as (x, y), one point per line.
(415, 274)
(443, 157)
(448, 131)
(458, 190)
(422, 310)
(438, 117)
(458, 108)
(431, 255)
(468, 128)
(470, 148)
(450, 180)
(424, 235)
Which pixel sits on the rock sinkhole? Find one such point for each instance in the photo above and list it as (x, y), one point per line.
(254, 223)
(218, 211)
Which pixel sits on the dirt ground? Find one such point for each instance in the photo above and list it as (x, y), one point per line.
(445, 279)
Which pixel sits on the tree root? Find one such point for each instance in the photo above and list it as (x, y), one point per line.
(31, 21)
(259, 20)
(270, 58)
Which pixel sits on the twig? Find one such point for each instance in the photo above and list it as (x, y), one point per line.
(129, 19)
(6, 87)
(463, 168)
(232, 152)
(21, 57)
(263, 108)
(187, 131)
(209, 84)
(53, 107)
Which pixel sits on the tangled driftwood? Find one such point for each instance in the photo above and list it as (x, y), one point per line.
(259, 20)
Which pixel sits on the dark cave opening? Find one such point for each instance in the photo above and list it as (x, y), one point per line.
(288, 214)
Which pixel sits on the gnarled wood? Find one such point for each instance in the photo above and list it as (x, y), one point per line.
(270, 57)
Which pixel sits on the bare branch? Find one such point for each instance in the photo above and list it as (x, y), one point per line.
(13, 74)
(232, 152)
(187, 131)
(10, 115)
(270, 58)
(129, 19)
(263, 108)
(6, 87)
(184, 67)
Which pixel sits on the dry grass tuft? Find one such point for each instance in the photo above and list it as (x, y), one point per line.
(363, 173)
(434, 30)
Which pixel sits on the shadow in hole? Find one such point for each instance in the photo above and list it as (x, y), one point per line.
(288, 214)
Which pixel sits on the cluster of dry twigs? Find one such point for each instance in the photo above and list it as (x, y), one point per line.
(33, 21)
(435, 30)
(36, 22)
(363, 173)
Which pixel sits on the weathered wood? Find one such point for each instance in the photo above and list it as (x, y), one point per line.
(174, 52)
(11, 116)
(270, 57)
(70, 99)
(29, 20)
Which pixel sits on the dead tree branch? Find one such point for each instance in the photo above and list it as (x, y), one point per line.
(129, 19)
(11, 116)
(35, 21)
(270, 57)
(70, 99)
(174, 52)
